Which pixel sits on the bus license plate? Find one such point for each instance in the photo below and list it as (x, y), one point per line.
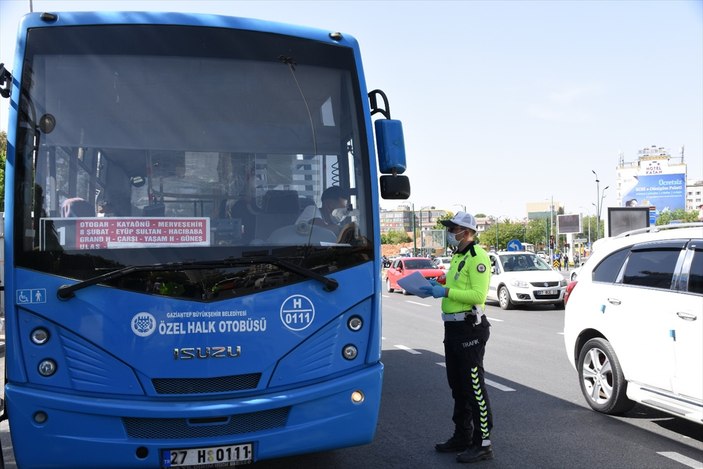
(208, 457)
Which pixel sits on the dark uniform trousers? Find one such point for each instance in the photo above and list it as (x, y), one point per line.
(464, 348)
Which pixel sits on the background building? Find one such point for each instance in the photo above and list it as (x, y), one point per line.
(401, 219)
(694, 195)
(544, 209)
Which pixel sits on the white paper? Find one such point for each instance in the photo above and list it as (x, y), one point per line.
(413, 282)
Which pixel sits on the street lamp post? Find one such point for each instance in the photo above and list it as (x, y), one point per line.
(589, 233)
(422, 238)
(597, 203)
(412, 206)
(551, 230)
(600, 196)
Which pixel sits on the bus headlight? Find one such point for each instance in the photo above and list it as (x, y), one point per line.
(40, 417)
(47, 367)
(39, 336)
(355, 323)
(357, 397)
(350, 352)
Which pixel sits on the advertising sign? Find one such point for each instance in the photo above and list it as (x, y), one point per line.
(660, 192)
(569, 224)
(622, 219)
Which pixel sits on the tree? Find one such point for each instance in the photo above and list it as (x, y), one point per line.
(395, 237)
(447, 216)
(679, 215)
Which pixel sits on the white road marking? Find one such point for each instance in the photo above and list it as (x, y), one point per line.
(495, 320)
(420, 304)
(685, 460)
(407, 349)
(502, 387)
(499, 386)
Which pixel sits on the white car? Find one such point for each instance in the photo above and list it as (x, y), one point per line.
(633, 325)
(443, 262)
(520, 277)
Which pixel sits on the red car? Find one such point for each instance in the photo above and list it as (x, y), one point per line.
(404, 266)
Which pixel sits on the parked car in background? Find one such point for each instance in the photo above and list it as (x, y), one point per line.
(443, 262)
(520, 277)
(633, 325)
(404, 266)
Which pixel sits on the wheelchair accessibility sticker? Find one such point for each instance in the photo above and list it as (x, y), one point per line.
(31, 295)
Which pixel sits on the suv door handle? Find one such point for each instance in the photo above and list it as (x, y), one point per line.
(687, 316)
(614, 301)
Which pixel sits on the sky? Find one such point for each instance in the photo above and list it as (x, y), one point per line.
(502, 102)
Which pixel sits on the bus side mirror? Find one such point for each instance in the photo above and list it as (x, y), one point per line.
(395, 187)
(390, 145)
(391, 159)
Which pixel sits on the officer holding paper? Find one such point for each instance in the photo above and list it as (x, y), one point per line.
(466, 331)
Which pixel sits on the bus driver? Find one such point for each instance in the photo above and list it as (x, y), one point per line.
(332, 198)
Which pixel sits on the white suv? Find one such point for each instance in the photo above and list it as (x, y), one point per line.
(633, 326)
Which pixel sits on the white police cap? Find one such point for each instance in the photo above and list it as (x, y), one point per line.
(461, 219)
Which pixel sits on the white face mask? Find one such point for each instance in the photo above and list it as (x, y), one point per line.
(339, 214)
(451, 238)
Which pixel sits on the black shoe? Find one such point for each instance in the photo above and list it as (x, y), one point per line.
(454, 444)
(475, 454)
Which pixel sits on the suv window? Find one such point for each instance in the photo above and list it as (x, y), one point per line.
(651, 268)
(695, 278)
(609, 268)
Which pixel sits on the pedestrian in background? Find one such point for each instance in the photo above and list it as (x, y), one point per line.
(565, 260)
(466, 332)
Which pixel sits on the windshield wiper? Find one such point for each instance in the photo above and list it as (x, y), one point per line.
(67, 291)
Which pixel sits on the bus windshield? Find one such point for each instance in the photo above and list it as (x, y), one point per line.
(131, 154)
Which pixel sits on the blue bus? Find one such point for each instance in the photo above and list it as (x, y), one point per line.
(167, 303)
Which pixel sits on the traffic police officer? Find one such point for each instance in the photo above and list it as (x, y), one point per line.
(466, 331)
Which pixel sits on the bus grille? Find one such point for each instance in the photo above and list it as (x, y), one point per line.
(154, 429)
(206, 385)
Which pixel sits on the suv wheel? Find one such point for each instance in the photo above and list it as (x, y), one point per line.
(389, 289)
(504, 298)
(600, 376)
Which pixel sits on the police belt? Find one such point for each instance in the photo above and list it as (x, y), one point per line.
(460, 316)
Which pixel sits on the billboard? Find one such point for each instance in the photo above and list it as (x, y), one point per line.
(569, 224)
(622, 219)
(662, 192)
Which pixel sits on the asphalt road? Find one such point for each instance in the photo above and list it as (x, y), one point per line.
(541, 419)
